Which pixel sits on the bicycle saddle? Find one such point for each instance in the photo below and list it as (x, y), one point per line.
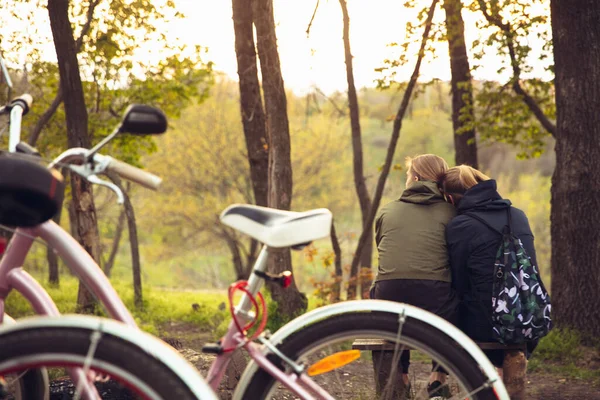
(278, 228)
(30, 194)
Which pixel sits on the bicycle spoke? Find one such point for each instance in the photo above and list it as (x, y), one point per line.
(337, 376)
(83, 383)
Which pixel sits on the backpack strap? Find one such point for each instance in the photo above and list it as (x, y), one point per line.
(487, 310)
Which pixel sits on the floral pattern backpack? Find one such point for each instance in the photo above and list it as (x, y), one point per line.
(520, 303)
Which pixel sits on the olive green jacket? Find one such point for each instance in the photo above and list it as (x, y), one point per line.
(410, 235)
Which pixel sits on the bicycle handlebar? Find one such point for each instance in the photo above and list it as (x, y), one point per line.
(25, 101)
(21, 105)
(133, 174)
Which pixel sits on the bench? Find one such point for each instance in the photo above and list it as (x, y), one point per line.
(514, 366)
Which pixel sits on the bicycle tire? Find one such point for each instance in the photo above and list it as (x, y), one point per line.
(448, 352)
(124, 360)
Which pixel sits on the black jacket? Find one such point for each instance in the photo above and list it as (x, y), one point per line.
(473, 247)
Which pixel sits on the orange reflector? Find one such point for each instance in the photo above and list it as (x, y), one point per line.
(333, 361)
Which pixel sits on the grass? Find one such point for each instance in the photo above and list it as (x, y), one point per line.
(562, 352)
(160, 306)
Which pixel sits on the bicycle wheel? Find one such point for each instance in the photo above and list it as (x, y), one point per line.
(375, 374)
(87, 346)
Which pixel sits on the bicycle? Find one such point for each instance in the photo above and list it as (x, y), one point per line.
(320, 341)
(30, 195)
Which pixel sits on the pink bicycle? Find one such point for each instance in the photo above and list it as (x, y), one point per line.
(88, 347)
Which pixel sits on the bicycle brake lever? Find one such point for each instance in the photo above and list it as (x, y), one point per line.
(110, 185)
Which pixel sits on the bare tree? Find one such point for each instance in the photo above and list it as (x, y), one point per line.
(289, 300)
(357, 151)
(465, 144)
(136, 267)
(108, 265)
(253, 117)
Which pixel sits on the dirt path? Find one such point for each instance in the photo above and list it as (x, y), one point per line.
(540, 386)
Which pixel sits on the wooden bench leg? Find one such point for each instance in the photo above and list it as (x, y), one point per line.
(514, 370)
(388, 377)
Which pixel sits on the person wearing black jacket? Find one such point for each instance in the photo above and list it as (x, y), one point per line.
(473, 246)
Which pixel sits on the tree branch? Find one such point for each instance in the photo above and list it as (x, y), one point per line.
(368, 226)
(333, 103)
(45, 118)
(529, 101)
(86, 27)
(312, 19)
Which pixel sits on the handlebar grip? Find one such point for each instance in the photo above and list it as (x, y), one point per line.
(24, 100)
(134, 174)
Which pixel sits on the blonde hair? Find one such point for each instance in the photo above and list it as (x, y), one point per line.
(457, 180)
(426, 167)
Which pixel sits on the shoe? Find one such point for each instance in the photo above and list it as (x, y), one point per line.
(408, 391)
(438, 391)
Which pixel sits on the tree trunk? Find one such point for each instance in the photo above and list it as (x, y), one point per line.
(77, 134)
(339, 273)
(52, 258)
(465, 145)
(236, 259)
(290, 301)
(136, 267)
(251, 257)
(395, 136)
(357, 152)
(108, 265)
(575, 214)
(253, 116)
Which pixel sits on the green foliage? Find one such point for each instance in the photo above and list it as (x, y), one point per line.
(501, 114)
(117, 69)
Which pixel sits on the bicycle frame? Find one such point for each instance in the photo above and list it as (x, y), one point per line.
(12, 276)
(296, 383)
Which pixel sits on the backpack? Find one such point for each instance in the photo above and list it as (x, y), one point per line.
(520, 303)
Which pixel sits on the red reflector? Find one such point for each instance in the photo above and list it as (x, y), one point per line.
(2, 245)
(287, 279)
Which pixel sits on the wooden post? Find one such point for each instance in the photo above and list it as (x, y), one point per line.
(388, 375)
(514, 371)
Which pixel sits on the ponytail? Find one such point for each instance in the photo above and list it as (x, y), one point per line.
(457, 180)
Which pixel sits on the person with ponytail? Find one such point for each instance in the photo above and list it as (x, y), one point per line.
(473, 239)
(413, 259)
